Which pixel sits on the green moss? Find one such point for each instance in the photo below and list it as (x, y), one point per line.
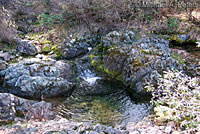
(46, 49)
(176, 38)
(58, 55)
(178, 57)
(93, 63)
(13, 61)
(34, 36)
(113, 74)
(192, 41)
(54, 48)
(41, 37)
(91, 56)
(46, 42)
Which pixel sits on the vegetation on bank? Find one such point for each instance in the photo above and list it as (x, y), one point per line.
(143, 17)
(177, 98)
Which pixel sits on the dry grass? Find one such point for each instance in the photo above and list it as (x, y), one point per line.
(7, 26)
(121, 14)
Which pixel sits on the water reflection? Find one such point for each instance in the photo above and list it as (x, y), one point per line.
(115, 107)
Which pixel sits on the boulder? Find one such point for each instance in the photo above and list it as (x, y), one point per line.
(3, 65)
(74, 49)
(12, 106)
(38, 79)
(136, 63)
(117, 38)
(26, 47)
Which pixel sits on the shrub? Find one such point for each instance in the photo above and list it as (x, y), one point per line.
(181, 94)
(50, 19)
(172, 23)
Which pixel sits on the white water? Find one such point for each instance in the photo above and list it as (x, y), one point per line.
(89, 77)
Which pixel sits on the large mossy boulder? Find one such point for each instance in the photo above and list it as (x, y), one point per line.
(38, 79)
(135, 63)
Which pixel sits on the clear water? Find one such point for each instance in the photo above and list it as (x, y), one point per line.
(102, 101)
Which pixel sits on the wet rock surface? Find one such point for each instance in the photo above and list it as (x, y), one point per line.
(38, 79)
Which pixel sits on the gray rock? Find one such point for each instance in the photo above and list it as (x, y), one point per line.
(26, 47)
(5, 56)
(72, 50)
(137, 63)
(7, 107)
(3, 65)
(54, 132)
(38, 80)
(118, 38)
(168, 129)
(12, 106)
(183, 37)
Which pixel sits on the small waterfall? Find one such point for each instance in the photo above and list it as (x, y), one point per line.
(97, 100)
(89, 77)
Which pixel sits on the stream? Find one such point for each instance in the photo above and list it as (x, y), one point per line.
(96, 100)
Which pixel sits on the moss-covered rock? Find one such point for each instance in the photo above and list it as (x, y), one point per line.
(138, 63)
(182, 40)
(46, 48)
(176, 39)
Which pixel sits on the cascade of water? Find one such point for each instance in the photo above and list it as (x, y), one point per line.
(89, 77)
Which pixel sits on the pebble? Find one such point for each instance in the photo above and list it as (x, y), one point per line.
(175, 132)
(162, 127)
(168, 129)
(134, 132)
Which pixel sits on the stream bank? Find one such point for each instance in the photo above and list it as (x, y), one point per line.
(104, 85)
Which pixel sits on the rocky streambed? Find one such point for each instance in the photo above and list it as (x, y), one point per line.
(84, 87)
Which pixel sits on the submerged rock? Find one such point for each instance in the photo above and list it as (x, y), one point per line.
(38, 79)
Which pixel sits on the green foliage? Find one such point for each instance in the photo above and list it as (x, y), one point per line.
(55, 48)
(11, 124)
(46, 49)
(173, 23)
(6, 46)
(179, 94)
(178, 57)
(93, 63)
(58, 55)
(50, 19)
